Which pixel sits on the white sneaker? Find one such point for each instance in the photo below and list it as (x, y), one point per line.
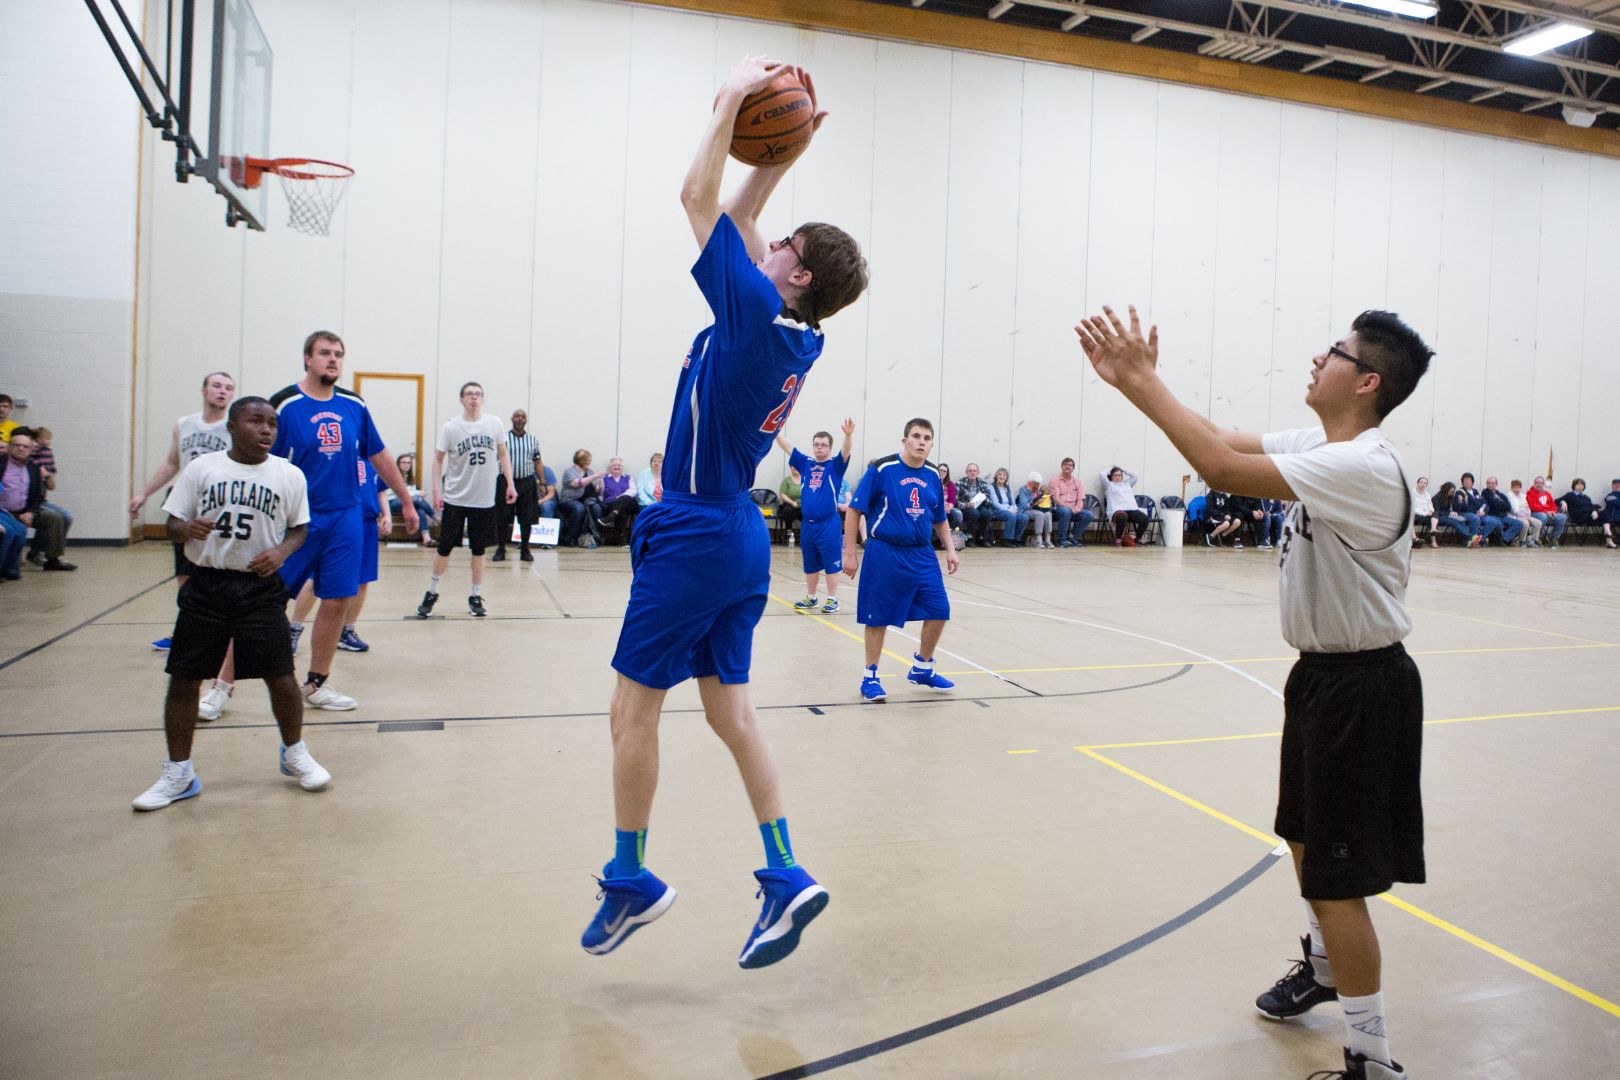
(296, 762)
(177, 782)
(212, 705)
(324, 697)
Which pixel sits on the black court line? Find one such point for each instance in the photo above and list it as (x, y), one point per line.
(26, 653)
(1045, 986)
(562, 610)
(822, 705)
(410, 725)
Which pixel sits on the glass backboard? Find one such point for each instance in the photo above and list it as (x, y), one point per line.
(239, 120)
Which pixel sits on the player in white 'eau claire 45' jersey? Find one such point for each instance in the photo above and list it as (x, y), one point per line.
(240, 513)
(1349, 801)
(194, 435)
(470, 454)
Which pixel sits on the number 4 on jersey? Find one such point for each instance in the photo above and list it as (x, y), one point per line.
(773, 423)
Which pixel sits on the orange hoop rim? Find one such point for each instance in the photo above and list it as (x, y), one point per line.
(291, 168)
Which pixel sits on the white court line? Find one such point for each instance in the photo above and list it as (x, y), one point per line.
(1239, 672)
(958, 656)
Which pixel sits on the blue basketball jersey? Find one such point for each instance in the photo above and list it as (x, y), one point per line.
(819, 481)
(740, 379)
(370, 486)
(902, 505)
(326, 440)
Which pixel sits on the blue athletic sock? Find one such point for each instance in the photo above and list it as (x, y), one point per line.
(629, 849)
(778, 848)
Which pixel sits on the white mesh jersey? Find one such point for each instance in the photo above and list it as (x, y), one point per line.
(197, 438)
(1347, 541)
(472, 460)
(252, 507)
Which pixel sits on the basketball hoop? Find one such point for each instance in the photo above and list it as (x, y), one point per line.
(313, 188)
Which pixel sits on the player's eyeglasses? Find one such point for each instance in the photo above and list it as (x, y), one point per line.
(1334, 350)
(787, 242)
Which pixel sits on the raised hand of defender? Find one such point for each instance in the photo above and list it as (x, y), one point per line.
(1118, 354)
(848, 426)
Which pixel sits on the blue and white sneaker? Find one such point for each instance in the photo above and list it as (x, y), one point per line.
(349, 641)
(628, 904)
(162, 644)
(809, 603)
(175, 783)
(872, 690)
(927, 678)
(831, 606)
(792, 899)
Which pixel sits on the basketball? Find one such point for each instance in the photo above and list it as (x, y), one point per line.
(773, 126)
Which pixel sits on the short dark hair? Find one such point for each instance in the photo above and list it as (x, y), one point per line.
(243, 402)
(1396, 352)
(20, 430)
(917, 421)
(1573, 484)
(227, 374)
(7, 399)
(466, 384)
(1067, 461)
(320, 335)
(837, 269)
(1465, 476)
(822, 435)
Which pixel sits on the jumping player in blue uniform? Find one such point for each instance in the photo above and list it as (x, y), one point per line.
(325, 430)
(701, 556)
(820, 536)
(901, 498)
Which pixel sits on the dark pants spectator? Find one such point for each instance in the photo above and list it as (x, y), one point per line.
(620, 515)
(1124, 519)
(1068, 527)
(575, 520)
(526, 510)
(1268, 530)
(976, 522)
(37, 551)
(13, 538)
(1012, 522)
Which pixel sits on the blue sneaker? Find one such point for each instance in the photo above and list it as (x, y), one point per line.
(929, 679)
(349, 641)
(872, 690)
(162, 644)
(628, 904)
(831, 606)
(809, 603)
(792, 899)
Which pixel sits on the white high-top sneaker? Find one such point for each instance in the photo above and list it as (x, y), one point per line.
(212, 705)
(296, 762)
(324, 697)
(176, 782)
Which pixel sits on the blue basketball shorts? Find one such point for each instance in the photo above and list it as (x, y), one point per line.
(900, 585)
(368, 548)
(823, 543)
(330, 555)
(702, 567)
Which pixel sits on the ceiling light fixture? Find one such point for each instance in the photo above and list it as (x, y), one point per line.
(1548, 37)
(1414, 9)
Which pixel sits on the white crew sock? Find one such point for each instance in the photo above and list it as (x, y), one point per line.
(433, 583)
(1364, 1026)
(477, 590)
(1320, 964)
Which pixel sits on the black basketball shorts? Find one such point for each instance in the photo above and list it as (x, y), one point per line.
(1352, 755)
(221, 606)
(477, 521)
(182, 565)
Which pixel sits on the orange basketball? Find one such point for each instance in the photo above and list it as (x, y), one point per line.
(773, 126)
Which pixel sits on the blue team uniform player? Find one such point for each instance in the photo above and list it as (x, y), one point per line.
(369, 510)
(821, 535)
(327, 441)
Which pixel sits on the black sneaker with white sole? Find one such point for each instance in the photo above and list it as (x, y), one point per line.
(1297, 992)
(425, 608)
(475, 607)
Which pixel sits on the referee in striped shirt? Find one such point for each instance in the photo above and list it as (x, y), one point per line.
(525, 453)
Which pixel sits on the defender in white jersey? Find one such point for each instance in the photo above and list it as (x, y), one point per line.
(194, 435)
(240, 513)
(470, 454)
(1349, 803)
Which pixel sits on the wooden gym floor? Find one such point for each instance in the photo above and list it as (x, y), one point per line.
(1064, 870)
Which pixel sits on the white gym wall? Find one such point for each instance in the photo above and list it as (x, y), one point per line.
(515, 220)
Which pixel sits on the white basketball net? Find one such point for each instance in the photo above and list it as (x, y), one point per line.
(313, 190)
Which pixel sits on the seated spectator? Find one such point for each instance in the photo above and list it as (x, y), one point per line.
(1444, 501)
(973, 499)
(1423, 512)
(46, 460)
(1270, 526)
(1521, 511)
(789, 497)
(1498, 506)
(13, 538)
(1004, 507)
(1545, 510)
(1247, 513)
(1577, 505)
(1119, 503)
(406, 463)
(1467, 503)
(1220, 520)
(1035, 503)
(619, 498)
(7, 424)
(1070, 518)
(24, 499)
(1611, 513)
(952, 514)
(579, 501)
(650, 484)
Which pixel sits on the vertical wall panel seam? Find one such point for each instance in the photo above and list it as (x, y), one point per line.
(1276, 262)
(1018, 234)
(1153, 248)
(1214, 273)
(1439, 290)
(534, 205)
(1490, 298)
(1586, 288)
(444, 191)
(348, 152)
(624, 214)
(945, 263)
(1085, 265)
(871, 216)
(1535, 330)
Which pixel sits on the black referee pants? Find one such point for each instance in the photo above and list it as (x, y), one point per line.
(526, 510)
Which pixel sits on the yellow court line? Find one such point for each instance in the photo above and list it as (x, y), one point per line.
(1278, 734)
(1023, 751)
(829, 624)
(1412, 909)
(1504, 625)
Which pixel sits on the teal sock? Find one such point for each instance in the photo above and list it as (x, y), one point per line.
(629, 849)
(778, 848)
